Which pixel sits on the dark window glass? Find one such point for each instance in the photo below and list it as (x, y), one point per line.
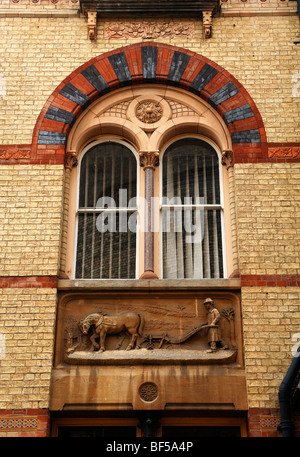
(191, 171)
(191, 211)
(106, 223)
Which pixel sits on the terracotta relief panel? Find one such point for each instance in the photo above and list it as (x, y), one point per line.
(97, 330)
(284, 152)
(148, 29)
(160, 349)
(12, 153)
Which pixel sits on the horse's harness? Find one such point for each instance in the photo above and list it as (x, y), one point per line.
(100, 322)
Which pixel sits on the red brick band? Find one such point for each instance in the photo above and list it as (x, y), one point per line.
(270, 280)
(54, 155)
(33, 423)
(22, 155)
(264, 422)
(284, 152)
(24, 282)
(246, 281)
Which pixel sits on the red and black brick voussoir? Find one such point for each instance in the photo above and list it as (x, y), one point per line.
(151, 63)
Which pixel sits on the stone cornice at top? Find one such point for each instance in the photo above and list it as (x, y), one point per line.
(144, 8)
(71, 8)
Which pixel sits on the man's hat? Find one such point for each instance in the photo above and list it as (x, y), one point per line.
(208, 300)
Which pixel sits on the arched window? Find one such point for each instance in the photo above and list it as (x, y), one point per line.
(107, 212)
(174, 168)
(192, 219)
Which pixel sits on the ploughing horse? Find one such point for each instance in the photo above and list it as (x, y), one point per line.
(111, 324)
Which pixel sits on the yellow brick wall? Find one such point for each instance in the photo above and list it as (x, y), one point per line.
(30, 227)
(271, 322)
(39, 52)
(27, 318)
(30, 219)
(268, 218)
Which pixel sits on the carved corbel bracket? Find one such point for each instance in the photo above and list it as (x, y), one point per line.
(149, 159)
(92, 25)
(227, 158)
(70, 160)
(207, 24)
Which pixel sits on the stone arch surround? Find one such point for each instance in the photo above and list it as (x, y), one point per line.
(144, 63)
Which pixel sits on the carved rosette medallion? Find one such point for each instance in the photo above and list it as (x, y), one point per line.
(148, 391)
(149, 112)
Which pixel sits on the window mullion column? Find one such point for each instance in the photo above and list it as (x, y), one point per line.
(227, 160)
(149, 160)
(70, 162)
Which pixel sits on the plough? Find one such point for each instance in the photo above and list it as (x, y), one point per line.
(165, 338)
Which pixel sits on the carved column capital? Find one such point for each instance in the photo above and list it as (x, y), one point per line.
(227, 158)
(149, 159)
(70, 160)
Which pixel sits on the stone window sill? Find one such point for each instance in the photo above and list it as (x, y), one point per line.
(148, 285)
